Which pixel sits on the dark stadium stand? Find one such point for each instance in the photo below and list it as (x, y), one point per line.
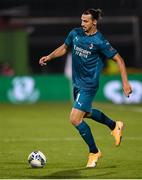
(44, 37)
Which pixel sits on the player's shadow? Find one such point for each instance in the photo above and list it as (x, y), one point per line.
(77, 173)
(65, 174)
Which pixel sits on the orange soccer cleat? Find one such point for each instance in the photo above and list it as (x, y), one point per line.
(117, 132)
(93, 159)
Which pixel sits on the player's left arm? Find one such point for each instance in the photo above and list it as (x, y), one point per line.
(125, 83)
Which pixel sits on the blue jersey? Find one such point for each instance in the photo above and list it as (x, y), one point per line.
(88, 55)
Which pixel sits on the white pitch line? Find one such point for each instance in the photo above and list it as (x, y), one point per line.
(134, 109)
(62, 139)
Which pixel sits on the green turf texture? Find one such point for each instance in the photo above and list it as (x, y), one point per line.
(46, 127)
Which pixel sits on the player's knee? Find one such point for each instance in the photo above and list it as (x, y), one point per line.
(74, 119)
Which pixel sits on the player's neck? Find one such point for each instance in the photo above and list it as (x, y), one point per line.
(91, 32)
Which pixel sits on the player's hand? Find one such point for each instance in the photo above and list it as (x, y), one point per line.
(43, 60)
(127, 89)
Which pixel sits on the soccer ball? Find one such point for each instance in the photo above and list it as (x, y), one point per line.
(37, 159)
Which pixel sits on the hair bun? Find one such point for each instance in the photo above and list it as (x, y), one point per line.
(99, 13)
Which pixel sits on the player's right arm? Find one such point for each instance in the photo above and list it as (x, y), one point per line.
(60, 51)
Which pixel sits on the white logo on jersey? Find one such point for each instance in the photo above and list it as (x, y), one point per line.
(80, 104)
(91, 46)
(81, 52)
(76, 38)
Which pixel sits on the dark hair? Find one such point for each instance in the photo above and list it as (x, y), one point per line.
(96, 13)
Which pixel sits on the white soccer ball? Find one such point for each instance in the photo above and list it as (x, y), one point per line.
(37, 159)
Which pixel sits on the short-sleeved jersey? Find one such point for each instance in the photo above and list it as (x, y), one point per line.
(88, 55)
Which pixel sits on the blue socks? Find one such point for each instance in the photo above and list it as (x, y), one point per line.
(86, 134)
(85, 130)
(102, 118)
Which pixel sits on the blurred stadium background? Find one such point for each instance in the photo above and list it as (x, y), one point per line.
(30, 29)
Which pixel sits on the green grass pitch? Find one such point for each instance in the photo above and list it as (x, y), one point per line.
(46, 127)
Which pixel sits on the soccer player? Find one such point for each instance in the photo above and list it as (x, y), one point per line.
(89, 51)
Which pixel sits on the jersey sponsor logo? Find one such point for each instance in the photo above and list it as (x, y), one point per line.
(81, 52)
